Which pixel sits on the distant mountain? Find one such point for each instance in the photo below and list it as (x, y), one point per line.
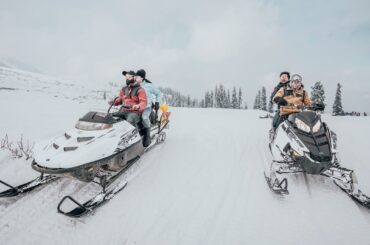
(16, 64)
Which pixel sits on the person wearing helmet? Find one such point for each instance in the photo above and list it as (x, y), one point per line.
(154, 95)
(291, 96)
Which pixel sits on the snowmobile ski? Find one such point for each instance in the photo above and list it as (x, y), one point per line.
(357, 196)
(277, 186)
(92, 204)
(108, 192)
(28, 186)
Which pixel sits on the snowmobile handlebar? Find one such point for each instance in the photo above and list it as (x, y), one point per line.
(122, 105)
(313, 107)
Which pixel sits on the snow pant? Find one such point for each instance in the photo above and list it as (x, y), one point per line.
(146, 117)
(131, 117)
(275, 120)
(280, 120)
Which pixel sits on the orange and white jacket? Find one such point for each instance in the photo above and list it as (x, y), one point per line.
(294, 98)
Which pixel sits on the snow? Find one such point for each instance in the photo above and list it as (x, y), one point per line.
(204, 185)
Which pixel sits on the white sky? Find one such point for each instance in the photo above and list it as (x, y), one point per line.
(193, 45)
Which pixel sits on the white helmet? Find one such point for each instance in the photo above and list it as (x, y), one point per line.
(295, 81)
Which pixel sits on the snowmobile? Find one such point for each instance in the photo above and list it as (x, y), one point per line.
(303, 143)
(100, 148)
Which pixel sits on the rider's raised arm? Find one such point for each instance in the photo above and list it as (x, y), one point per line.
(279, 94)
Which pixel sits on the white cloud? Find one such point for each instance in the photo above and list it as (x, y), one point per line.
(192, 45)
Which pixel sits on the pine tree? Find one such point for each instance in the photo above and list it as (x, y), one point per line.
(256, 102)
(228, 100)
(240, 99)
(318, 93)
(212, 99)
(203, 104)
(337, 106)
(234, 99)
(222, 97)
(263, 104)
(216, 97)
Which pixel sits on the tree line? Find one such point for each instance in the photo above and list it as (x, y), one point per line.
(222, 97)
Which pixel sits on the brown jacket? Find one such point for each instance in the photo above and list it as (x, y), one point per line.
(294, 99)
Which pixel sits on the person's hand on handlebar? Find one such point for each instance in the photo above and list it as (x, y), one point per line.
(135, 107)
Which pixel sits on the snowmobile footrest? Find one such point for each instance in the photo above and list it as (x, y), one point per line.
(80, 210)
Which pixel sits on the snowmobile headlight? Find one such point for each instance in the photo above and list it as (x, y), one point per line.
(92, 126)
(316, 127)
(296, 153)
(302, 126)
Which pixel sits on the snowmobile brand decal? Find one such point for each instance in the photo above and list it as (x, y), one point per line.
(125, 140)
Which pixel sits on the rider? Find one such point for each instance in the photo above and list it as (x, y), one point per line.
(291, 97)
(151, 91)
(284, 80)
(133, 96)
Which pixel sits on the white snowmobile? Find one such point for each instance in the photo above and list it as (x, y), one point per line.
(304, 143)
(100, 148)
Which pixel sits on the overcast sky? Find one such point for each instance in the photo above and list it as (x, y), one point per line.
(193, 45)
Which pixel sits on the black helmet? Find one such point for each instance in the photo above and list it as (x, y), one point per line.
(141, 73)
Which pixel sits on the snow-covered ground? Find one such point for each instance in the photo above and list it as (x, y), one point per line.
(204, 185)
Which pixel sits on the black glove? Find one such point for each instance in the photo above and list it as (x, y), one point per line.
(318, 107)
(280, 101)
(156, 106)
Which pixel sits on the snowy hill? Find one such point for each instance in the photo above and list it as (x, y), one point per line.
(204, 185)
(16, 64)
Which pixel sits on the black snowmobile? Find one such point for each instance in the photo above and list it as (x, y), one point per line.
(304, 144)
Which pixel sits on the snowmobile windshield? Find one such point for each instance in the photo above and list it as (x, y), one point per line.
(95, 121)
(98, 117)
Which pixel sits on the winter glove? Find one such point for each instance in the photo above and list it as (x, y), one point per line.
(280, 101)
(156, 106)
(318, 107)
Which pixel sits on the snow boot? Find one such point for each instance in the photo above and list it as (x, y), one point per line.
(146, 137)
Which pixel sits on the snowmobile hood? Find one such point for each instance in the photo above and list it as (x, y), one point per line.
(79, 147)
